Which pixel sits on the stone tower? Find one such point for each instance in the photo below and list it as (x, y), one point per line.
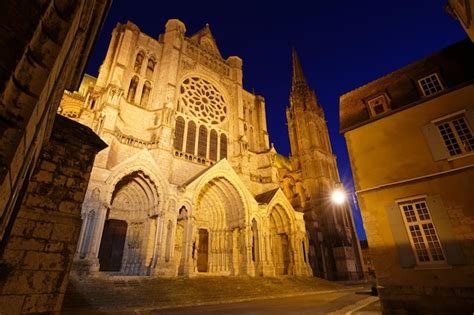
(334, 248)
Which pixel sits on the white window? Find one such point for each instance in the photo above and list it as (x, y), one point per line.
(378, 105)
(421, 232)
(430, 85)
(457, 135)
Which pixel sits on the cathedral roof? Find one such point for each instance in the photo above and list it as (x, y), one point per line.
(298, 75)
(266, 197)
(206, 40)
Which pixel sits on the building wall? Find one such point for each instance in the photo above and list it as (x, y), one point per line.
(39, 251)
(46, 48)
(392, 159)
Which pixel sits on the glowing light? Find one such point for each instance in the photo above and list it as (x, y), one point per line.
(338, 196)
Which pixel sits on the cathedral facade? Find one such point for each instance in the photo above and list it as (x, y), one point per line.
(189, 183)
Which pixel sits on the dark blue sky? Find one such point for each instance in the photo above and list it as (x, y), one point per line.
(341, 44)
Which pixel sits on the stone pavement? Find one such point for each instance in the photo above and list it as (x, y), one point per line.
(132, 295)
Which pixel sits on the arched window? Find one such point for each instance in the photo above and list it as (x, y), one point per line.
(191, 138)
(150, 67)
(138, 62)
(179, 134)
(145, 94)
(213, 146)
(132, 89)
(223, 153)
(202, 141)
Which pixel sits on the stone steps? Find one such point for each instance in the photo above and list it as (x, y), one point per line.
(85, 295)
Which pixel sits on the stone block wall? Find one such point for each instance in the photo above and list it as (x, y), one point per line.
(38, 254)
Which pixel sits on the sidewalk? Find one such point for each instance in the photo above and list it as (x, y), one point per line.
(118, 294)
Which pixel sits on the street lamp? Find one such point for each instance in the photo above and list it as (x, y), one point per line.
(338, 196)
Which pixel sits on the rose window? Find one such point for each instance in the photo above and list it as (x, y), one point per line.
(203, 100)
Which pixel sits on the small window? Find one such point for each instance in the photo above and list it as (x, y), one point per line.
(430, 85)
(223, 151)
(378, 105)
(202, 141)
(191, 138)
(213, 146)
(179, 133)
(132, 89)
(457, 135)
(145, 94)
(138, 62)
(421, 232)
(150, 68)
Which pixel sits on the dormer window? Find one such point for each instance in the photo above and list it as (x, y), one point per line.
(430, 84)
(378, 105)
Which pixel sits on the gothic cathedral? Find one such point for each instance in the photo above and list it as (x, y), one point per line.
(189, 183)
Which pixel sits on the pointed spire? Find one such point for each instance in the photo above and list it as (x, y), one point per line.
(298, 75)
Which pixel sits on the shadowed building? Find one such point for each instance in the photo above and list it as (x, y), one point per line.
(410, 137)
(44, 161)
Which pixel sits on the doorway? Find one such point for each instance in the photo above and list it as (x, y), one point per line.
(112, 244)
(203, 251)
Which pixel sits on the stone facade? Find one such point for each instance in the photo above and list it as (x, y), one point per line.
(188, 184)
(410, 137)
(40, 249)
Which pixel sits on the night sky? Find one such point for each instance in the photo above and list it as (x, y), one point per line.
(341, 44)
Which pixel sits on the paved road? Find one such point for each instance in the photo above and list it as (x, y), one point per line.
(308, 304)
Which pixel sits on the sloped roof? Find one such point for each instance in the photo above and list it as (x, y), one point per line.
(206, 40)
(266, 197)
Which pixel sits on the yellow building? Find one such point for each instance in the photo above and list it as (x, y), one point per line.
(410, 140)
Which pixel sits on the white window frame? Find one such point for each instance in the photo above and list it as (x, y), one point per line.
(420, 222)
(420, 84)
(384, 102)
(449, 120)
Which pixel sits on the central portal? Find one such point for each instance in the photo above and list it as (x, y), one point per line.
(203, 250)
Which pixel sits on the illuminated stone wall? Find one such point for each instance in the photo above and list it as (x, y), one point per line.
(181, 184)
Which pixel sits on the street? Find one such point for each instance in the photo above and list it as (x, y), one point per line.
(325, 303)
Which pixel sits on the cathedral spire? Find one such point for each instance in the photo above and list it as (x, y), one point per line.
(298, 75)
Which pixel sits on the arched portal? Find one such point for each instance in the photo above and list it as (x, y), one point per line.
(220, 214)
(133, 198)
(280, 230)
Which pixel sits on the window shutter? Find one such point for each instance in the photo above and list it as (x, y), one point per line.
(451, 247)
(405, 251)
(437, 147)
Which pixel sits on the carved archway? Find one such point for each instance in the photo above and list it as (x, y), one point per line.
(133, 199)
(221, 212)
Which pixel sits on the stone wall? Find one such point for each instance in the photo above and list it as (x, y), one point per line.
(39, 250)
(45, 46)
